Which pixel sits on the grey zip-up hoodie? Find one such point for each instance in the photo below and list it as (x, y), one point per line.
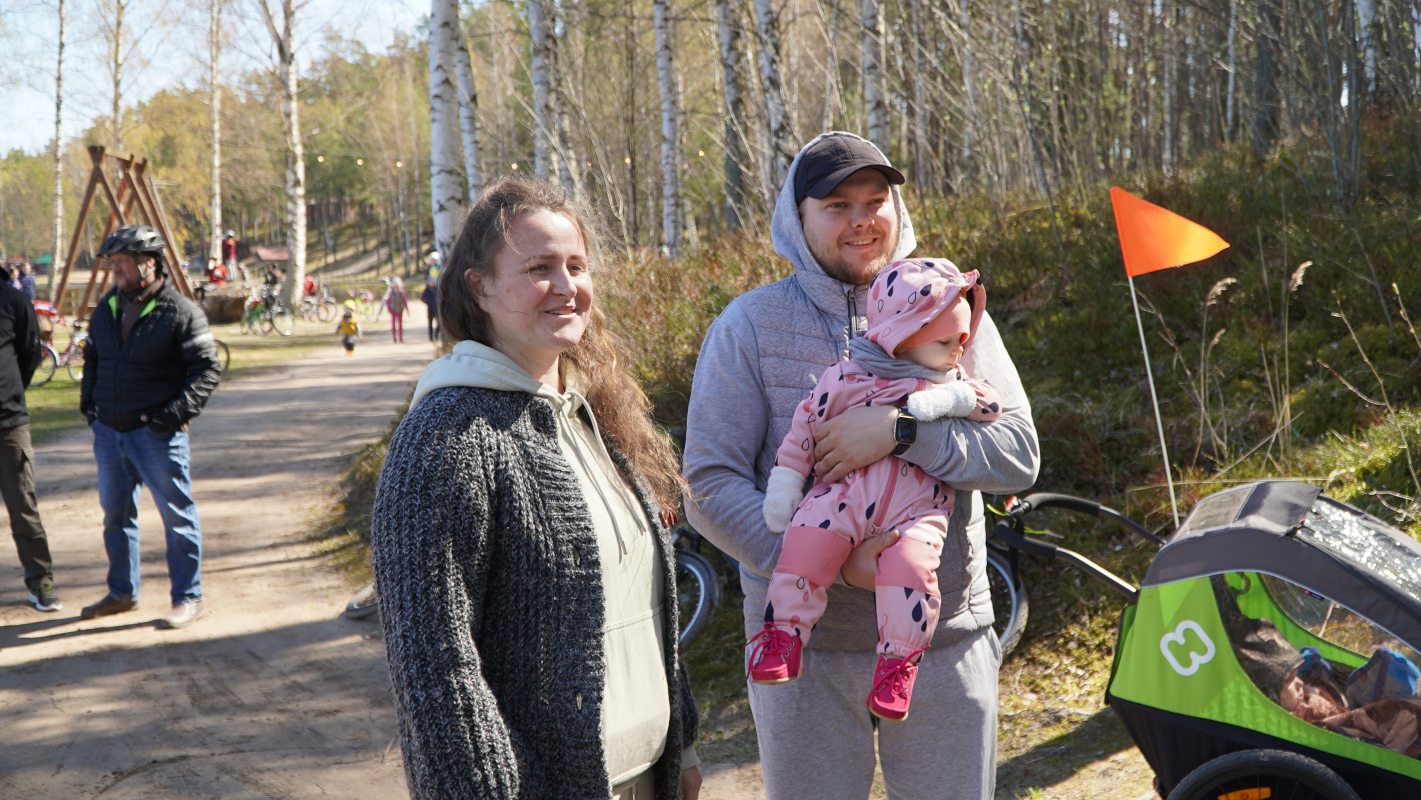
(760, 359)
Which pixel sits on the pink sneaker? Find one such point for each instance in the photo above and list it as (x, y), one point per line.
(892, 687)
(776, 657)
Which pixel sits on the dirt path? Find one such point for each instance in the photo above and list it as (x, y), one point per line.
(273, 694)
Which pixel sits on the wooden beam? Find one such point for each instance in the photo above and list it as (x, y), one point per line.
(96, 154)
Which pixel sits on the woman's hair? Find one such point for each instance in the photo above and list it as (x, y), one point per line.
(622, 410)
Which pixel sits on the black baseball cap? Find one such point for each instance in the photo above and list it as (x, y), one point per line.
(830, 160)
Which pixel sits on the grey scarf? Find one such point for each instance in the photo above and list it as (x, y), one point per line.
(869, 355)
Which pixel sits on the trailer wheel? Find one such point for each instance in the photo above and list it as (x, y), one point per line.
(1263, 774)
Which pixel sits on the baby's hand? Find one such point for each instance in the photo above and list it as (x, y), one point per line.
(954, 399)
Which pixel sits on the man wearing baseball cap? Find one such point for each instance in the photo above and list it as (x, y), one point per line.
(839, 219)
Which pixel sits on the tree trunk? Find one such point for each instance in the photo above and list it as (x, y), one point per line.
(545, 116)
(670, 129)
(1171, 69)
(732, 58)
(117, 69)
(831, 65)
(1231, 97)
(285, 40)
(778, 126)
(445, 192)
(1266, 110)
(875, 90)
(1366, 19)
(58, 256)
(469, 119)
(968, 60)
(214, 48)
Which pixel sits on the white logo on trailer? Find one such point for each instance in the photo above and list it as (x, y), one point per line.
(1177, 637)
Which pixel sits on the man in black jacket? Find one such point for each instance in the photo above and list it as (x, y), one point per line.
(20, 353)
(149, 366)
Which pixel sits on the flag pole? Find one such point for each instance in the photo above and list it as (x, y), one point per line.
(1159, 421)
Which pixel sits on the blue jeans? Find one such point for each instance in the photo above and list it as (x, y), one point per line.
(127, 461)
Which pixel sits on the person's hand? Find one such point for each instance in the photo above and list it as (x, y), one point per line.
(854, 439)
(862, 564)
(691, 783)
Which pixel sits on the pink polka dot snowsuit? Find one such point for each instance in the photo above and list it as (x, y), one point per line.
(889, 494)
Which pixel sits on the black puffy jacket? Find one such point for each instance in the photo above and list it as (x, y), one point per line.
(166, 369)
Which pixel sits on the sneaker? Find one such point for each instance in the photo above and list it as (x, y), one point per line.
(183, 614)
(776, 657)
(108, 605)
(43, 598)
(892, 687)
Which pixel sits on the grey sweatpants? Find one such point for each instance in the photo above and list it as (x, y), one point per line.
(816, 734)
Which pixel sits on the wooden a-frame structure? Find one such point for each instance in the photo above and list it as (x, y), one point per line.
(133, 195)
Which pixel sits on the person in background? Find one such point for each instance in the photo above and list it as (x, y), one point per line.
(229, 253)
(349, 330)
(397, 301)
(150, 364)
(25, 280)
(431, 301)
(20, 353)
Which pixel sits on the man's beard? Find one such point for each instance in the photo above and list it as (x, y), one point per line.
(837, 268)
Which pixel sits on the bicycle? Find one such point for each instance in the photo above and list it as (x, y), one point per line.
(320, 306)
(366, 304)
(698, 589)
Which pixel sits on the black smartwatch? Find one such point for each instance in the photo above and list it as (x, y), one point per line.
(905, 432)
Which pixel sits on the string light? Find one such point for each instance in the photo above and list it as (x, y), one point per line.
(515, 166)
(629, 159)
(320, 159)
(701, 153)
(399, 164)
(359, 162)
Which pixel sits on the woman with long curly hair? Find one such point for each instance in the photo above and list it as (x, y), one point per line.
(525, 573)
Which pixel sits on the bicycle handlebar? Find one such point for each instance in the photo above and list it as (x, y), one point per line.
(1014, 538)
(1040, 500)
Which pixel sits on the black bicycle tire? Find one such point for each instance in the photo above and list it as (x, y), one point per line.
(76, 374)
(327, 311)
(1015, 625)
(265, 323)
(283, 322)
(224, 353)
(1208, 780)
(700, 570)
(365, 603)
(48, 363)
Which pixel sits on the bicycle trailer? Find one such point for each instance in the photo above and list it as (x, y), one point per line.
(1271, 649)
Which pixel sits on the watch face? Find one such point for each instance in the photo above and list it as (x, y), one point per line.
(905, 431)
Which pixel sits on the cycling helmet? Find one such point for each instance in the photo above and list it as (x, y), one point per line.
(138, 240)
(230, 234)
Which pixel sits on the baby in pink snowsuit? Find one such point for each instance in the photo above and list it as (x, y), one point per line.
(923, 311)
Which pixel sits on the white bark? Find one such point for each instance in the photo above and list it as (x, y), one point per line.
(875, 91)
(1230, 103)
(444, 129)
(1366, 20)
(670, 134)
(732, 59)
(540, 28)
(1170, 67)
(287, 71)
(779, 150)
(58, 253)
(214, 245)
(116, 71)
(831, 65)
(469, 119)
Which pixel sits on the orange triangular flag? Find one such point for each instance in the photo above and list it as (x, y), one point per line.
(1153, 238)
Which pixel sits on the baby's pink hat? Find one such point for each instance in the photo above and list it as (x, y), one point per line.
(912, 294)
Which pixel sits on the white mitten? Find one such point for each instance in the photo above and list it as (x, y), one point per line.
(782, 497)
(955, 399)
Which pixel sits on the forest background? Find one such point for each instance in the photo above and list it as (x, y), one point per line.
(1290, 127)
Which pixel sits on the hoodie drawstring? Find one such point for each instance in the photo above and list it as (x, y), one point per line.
(597, 475)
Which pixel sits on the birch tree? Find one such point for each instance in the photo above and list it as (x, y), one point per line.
(469, 120)
(968, 59)
(779, 150)
(545, 117)
(58, 251)
(732, 60)
(284, 39)
(670, 133)
(1230, 101)
(214, 243)
(444, 122)
(875, 89)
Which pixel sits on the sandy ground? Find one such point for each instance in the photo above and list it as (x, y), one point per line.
(273, 694)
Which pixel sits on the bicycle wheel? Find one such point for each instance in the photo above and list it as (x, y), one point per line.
(265, 324)
(1263, 773)
(327, 311)
(48, 361)
(224, 354)
(697, 592)
(1009, 602)
(363, 604)
(283, 321)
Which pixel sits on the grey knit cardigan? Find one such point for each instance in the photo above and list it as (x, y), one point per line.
(491, 595)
